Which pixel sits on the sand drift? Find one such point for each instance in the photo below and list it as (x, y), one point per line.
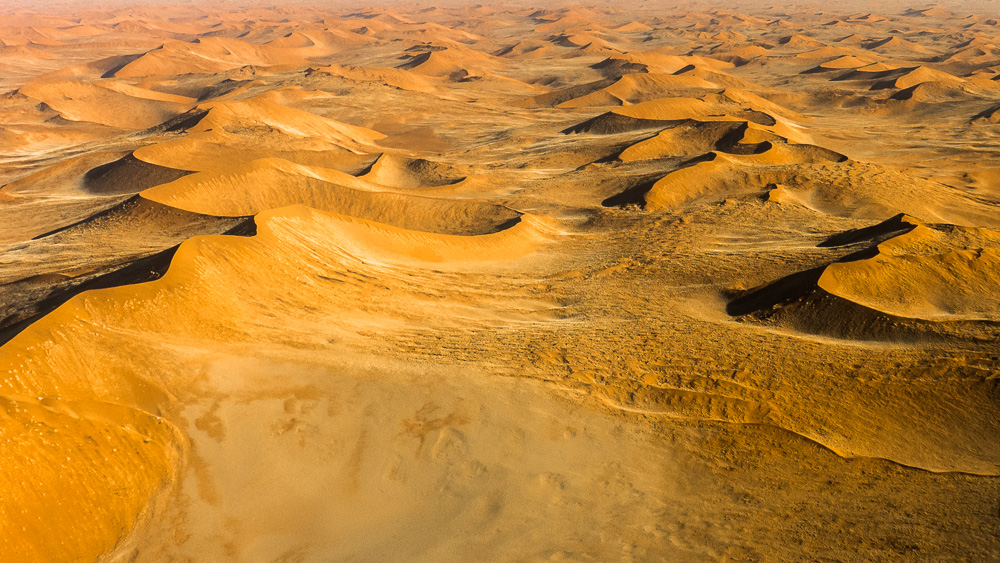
(499, 284)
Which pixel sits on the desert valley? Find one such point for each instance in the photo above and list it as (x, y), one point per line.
(455, 282)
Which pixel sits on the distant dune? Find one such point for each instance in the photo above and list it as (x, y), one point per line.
(450, 283)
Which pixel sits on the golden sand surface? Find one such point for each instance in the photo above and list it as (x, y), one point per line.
(305, 283)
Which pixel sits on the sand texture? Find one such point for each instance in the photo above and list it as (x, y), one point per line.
(306, 283)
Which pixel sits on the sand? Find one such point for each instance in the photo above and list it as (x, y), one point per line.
(499, 283)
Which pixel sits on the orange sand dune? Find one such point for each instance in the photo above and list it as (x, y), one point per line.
(210, 149)
(927, 273)
(235, 116)
(730, 104)
(111, 103)
(209, 55)
(412, 173)
(451, 61)
(136, 446)
(923, 74)
(488, 283)
(270, 183)
(393, 77)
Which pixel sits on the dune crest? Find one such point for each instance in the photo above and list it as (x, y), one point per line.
(467, 282)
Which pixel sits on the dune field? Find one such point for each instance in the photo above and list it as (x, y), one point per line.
(499, 282)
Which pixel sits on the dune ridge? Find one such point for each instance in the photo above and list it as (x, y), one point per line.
(492, 283)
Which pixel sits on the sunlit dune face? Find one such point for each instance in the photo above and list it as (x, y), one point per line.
(498, 283)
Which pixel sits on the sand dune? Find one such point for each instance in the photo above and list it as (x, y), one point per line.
(721, 175)
(896, 45)
(637, 88)
(454, 63)
(271, 183)
(693, 138)
(824, 181)
(908, 278)
(495, 283)
(95, 102)
(399, 172)
(117, 413)
(393, 77)
(239, 115)
(209, 55)
(921, 75)
(208, 149)
(842, 62)
(943, 273)
(730, 104)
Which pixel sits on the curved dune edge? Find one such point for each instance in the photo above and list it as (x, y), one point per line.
(925, 274)
(761, 144)
(731, 104)
(199, 152)
(134, 107)
(724, 174)
(634, 88)
(691, 137)
(291, 121)
(73, 388)
(934, 274)
(270, 183)
(395, 171)
(868, 433)
(818, 179)
(372, 241)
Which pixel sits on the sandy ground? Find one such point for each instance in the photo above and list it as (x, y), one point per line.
(455, 283)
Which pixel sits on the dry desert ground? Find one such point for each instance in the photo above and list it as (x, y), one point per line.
(415, 282)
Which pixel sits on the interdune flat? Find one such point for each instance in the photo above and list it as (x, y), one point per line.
(470, 282)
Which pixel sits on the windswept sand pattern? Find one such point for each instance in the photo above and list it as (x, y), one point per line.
(499, 283)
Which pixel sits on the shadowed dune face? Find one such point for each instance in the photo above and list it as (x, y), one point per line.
(494, 283)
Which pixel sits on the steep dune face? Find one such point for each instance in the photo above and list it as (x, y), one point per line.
(240, 115)
(209, 149)
(207, 55)
(270, 183)
(958, 285)
(467, 283)
(109, 418)
(817, 179)
(412, 173)
(108, 103)
(912, 277)
(938, 274)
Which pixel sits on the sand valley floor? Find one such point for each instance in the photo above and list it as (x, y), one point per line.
(451, 283)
